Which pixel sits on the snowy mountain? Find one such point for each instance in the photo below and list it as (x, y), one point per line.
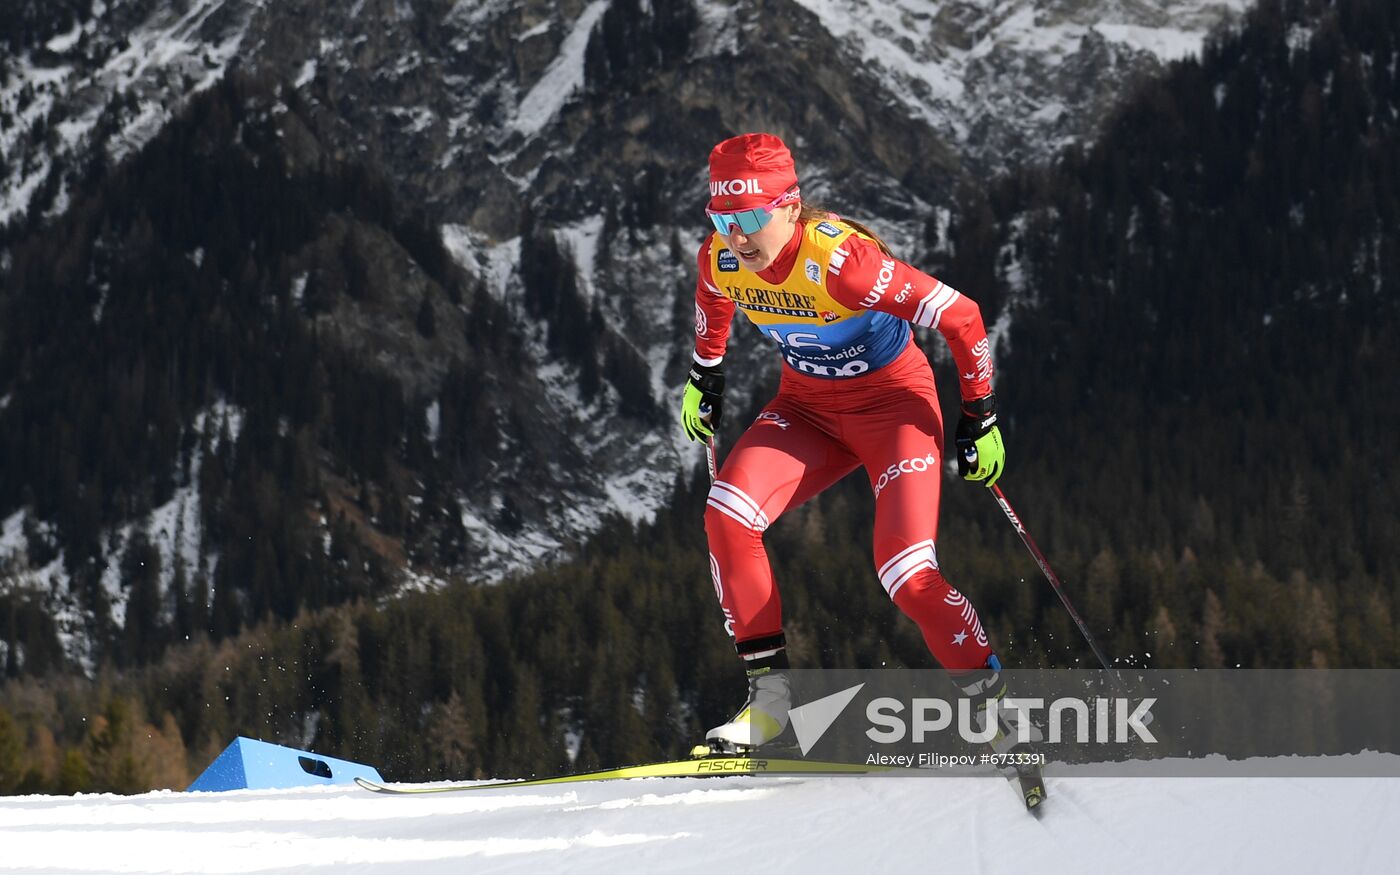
(1146, 825)
(432, 85)
(586, 120)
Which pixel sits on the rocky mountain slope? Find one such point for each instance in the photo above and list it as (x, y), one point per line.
(571, 135)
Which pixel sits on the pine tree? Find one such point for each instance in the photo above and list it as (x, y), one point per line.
(74, 774)
(11, 755)
(450, 741)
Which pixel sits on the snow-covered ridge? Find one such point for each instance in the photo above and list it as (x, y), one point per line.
(967, 67)
(979, 72)
(177, 52)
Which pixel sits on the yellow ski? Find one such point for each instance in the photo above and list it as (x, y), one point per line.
(707, 767)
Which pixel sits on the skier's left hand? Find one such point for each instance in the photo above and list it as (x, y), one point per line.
(981, 456)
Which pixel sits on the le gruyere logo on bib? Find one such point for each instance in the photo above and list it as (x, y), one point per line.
(779, 303)
(728, 261)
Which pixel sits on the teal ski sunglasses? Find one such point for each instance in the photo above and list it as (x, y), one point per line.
(750, 221)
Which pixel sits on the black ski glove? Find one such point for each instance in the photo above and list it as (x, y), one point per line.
(703, 402)
(981, 456)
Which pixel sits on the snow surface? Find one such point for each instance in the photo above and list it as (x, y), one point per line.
(12, 540)
(581, 239)
(493, 262)
(563, 76)
(751, 824)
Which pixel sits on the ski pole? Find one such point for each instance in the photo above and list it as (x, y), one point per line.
(1054, 580)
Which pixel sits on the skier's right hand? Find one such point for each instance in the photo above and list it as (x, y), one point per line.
(703, 402)
(981, 456)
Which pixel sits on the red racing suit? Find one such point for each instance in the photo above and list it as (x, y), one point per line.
(855, 391)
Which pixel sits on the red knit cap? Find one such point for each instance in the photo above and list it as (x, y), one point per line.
(748, 171)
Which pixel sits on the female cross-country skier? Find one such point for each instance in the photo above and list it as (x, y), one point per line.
(856, 390)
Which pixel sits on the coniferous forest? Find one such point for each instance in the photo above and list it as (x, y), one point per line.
(1197, 395)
